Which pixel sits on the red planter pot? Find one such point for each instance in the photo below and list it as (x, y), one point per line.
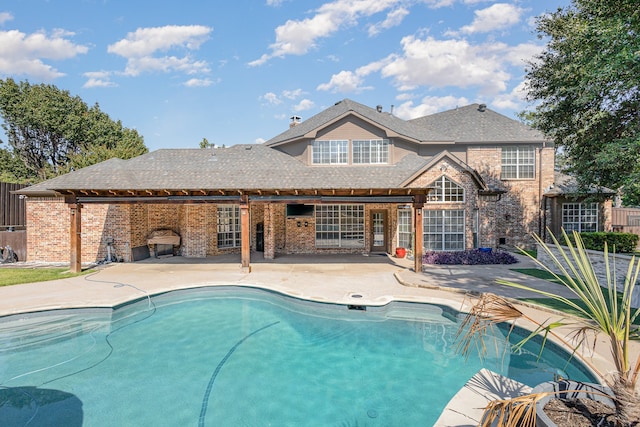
(401, 252)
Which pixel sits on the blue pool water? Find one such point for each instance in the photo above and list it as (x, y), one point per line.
(243, 357)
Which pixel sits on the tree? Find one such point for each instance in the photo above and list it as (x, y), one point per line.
(206, 144)
(12, 169)
(603, 311)
(53, 132)
(587, 92)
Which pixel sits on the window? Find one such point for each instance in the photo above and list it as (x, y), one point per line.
(404, 227)
(340, 226)
(370, 151)
(518, 163)
(443, 230)
(446, 190)
(331, 152)
(580, 217)
(228, 226)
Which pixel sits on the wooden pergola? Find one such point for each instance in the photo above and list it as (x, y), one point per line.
(76, 198)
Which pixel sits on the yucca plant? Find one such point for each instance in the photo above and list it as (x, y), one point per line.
(603, 309)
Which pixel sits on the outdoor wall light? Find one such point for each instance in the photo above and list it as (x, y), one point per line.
(306, 223)
(298, 224)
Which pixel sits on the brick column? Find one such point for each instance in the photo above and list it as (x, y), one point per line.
(269, 235)
(245, 234)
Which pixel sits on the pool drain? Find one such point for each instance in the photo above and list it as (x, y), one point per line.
(372, 413)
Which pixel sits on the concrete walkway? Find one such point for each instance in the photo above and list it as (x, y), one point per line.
(365, 280)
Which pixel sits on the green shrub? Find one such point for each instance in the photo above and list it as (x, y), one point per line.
(622, 243)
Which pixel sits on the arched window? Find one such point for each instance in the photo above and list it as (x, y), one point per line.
(446, 190)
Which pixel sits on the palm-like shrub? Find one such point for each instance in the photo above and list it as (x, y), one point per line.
(603, 310)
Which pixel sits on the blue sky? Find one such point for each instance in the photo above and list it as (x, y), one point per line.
(236, 71)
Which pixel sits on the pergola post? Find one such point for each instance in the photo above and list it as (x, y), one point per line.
(418, 241)
(245, 234)
(75, 235)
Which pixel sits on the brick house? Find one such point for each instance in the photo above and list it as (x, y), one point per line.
(351, 179)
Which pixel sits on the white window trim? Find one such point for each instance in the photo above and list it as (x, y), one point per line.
(333, 143)
(518, 163)
(442, 179)
(444, 233)
(385, 145)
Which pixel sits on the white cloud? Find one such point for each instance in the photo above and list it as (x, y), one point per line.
(303, 105)
(436, 4)
(441, 63)
(98, 79)
(140, 46)
(297, 37)
(394, 18)
(23, 54)
(271, 98)
(343, 82)
(428, 105)
(260, 140)
(146, 41)
(518, 55)
(496, 17)
(5, 16)
(349, 81)
(198, 82)
(514, 100)
(292, 94)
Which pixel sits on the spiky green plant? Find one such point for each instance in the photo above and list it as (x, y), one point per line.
(605, 310)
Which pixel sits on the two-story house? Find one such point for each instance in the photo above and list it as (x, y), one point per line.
(351, 179)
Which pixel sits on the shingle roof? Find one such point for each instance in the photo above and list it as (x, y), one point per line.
(260, 167)
(564, 184)
(244, 166)
(341, 108)
(475, 124)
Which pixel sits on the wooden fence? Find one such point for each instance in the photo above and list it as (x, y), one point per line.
(13, 220)
(12, 211)
(626, 220)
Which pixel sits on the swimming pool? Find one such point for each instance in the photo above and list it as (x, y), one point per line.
(229, 356)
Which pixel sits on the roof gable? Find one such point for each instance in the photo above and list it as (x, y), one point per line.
(393, 125)
(453, 159)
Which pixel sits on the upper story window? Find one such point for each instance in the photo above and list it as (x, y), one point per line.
(330, 152)
(518, 163)
(446, 190)
(370, 151)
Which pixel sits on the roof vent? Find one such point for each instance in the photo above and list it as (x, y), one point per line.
(379, 108)
(295, 120)
(482, 108)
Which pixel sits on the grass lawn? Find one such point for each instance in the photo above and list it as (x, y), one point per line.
(15, 276)
(549, 302)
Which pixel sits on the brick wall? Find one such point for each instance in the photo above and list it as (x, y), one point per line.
(48, 222)
(456, 174)
(195, 230)
(517, 214)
